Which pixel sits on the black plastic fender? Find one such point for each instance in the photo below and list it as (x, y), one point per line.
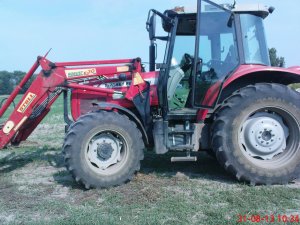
(109, 106)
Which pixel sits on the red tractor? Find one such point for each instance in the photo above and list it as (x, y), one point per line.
(214, 91)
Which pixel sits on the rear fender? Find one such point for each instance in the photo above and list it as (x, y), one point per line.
(251, 74)
(247, 75)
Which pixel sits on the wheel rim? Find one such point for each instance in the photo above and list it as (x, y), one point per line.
(106, 152)
(269, 137)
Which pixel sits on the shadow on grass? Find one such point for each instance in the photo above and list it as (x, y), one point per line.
(204, 167)
(65, 179)
(51, 156)
(161, 165)
(17, 160)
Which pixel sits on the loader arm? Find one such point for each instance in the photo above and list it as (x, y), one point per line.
(52, 80)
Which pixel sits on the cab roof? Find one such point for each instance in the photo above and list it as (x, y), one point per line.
(260, 10)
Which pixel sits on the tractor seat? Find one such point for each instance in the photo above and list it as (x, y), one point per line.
(176, 74)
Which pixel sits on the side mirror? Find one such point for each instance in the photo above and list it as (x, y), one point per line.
(151, 27)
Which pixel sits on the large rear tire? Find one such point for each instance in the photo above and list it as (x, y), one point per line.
(256, 134)
(103, 149)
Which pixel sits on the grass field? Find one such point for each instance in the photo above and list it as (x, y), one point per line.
(35, 188)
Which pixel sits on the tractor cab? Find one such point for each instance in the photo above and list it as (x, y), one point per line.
(203, 48)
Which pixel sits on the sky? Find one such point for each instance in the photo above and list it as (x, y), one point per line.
(78, 30)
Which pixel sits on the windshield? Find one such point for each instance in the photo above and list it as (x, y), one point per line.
(255, 47)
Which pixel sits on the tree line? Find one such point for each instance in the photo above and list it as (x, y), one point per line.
(9, 80)
(279, 61)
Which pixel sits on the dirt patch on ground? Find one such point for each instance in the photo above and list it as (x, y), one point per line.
(143, 188)
(6, 218)
(36, 186)
(35, 174)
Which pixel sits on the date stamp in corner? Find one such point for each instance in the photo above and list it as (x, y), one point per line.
(272, 218)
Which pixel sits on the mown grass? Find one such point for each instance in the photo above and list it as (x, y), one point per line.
(295, 86)
(35, 188)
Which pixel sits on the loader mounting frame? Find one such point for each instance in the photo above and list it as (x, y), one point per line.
(54, 79)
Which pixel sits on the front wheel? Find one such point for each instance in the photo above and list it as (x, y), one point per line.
(256, 134)
(103, 149)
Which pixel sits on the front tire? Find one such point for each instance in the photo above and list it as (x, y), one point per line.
(103, 149)
(256, 134)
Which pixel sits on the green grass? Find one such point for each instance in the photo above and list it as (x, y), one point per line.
(295, 86)
(35, 188)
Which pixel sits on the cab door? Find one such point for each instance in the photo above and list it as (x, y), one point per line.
(216, 52)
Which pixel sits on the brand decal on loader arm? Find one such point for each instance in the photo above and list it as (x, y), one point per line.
(81, 72)
(116, 84)
(26, 102)
(127, 83)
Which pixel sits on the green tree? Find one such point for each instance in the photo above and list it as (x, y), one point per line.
(9, 81)
(276, 60)
(6, 85)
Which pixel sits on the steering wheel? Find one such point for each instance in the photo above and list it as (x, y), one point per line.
(215, 62)
(188, 62)
(214, 66)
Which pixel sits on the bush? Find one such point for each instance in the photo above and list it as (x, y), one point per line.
(295, 86)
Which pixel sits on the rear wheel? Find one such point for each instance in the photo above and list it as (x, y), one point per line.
(103, 149)
(256, 134)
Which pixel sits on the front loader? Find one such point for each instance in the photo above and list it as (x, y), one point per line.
(215, 91)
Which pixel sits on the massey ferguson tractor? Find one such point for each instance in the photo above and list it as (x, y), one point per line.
(214, 91)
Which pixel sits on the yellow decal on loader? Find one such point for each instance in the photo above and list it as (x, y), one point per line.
(26, 102)
(121, 69)
(137, 79)
(81, 72)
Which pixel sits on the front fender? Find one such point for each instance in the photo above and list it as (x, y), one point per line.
(109, 106)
